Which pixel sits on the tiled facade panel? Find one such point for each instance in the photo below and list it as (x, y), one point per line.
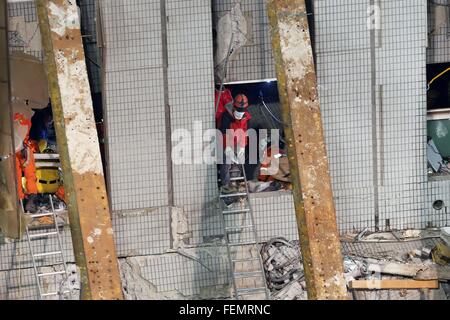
(274, 215)
(136, 140)
(341, 25)
(132, 34)
(354, 209)
(388, 68)
(188, 274)
(352, 70)
(142, 233)
(401, 112)
(344, 65)
(24, 33)
(344, 86)
(134, 104)
(191, 100)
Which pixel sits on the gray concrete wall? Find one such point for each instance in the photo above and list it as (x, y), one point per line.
(372, 86)
(372, 90)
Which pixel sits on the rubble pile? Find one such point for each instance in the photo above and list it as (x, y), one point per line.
(44, 205)
(284, 269)
(412, 256)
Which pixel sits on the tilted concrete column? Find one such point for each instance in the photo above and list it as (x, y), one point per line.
(314, 206)
(79, 150)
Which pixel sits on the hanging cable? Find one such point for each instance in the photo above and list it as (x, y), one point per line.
(437, 77)
(271, 114)
(225, 70)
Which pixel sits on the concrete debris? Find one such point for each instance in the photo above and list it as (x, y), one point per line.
(446, 287)
(258, 186)
(441, 254)
(403, 260)
(353, 269)
(136, 287)
(293, 291)
(378, 257)
(268, 186)
(404, 235)
(283, 266)
(440, 19)
(394, 268)
(59, 284)
(438, 272)
(232, 34)
(426, 252)
(180, 229)
(445, 235)
(386, 236)
(360, 235)
(435, 160)
(193, 257)
(153, 277)
(72, 283)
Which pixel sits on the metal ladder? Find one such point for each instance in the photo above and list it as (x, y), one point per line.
(48, 232)
(241, 236)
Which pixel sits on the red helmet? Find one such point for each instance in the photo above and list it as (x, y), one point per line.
(240, 102)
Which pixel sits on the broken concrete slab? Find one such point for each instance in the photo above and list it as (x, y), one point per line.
(293, 291)
(204, 272)
(180, 228)
(441, 254)
(393, 268)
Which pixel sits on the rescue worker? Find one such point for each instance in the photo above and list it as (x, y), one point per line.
(29, 90)
(25, 164)
(223, 102)
(233, 126)
(43, 128)
(43, 131)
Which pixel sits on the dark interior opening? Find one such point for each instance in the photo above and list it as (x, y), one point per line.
(265, 111)
(438, 120)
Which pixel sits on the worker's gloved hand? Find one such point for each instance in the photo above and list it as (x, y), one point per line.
(229, 154)
(241, 155)
(263, 144)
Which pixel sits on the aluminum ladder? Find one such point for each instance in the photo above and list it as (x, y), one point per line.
(47, 232)
(240, 234)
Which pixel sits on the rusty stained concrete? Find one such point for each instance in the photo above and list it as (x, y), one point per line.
(9, 216)
(84, 181)
(315, 211)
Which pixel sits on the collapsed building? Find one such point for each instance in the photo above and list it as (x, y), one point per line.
(152, 68)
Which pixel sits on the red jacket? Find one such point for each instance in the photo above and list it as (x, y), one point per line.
(225, 104)
(238, 132)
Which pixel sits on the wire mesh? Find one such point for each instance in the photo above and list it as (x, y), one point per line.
(158, 77)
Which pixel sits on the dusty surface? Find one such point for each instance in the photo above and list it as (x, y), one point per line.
(313, 196)
(8, 211)
(92, 233)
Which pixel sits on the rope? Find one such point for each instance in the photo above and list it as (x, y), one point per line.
(271, 114)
